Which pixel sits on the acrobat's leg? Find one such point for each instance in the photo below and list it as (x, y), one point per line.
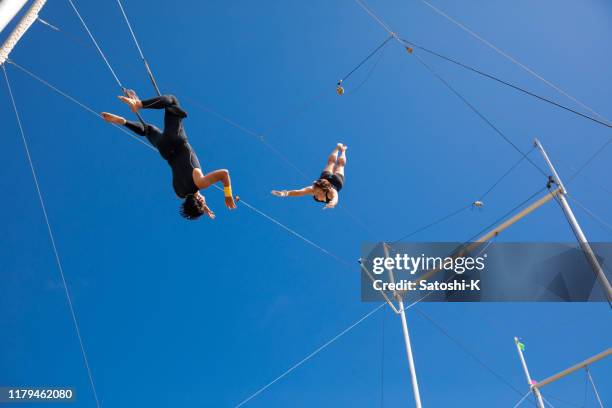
(152, 133)
(339, 169)
(135, 127)
(332, 159)
(173, 115)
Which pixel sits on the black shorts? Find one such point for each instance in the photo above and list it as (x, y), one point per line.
(336, 180)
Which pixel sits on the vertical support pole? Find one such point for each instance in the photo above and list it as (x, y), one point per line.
(413, 376)
(402, 313)
(535, 390)
(582, 240)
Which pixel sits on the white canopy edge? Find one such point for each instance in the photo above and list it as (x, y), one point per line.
(26, 21)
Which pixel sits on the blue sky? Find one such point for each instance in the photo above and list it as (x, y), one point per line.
(203, 314)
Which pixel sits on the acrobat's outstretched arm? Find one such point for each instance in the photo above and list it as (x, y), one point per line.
(293, 193)
(203, 181)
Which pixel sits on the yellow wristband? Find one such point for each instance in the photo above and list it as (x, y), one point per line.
(227, 191)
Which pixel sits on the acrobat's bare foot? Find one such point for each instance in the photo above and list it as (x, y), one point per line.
(109, 117)
(343, 147)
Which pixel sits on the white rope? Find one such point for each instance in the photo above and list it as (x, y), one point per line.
(51, 237)
(261, 138)
(411, 305)
(513, 60)
(375, 17)
(268, 217)
(300, 236)
(591, 213)
(75, 101)
(291, 231)
(548, 402)
(590, 160)
(251, 207)
(454, 91)
(273, 220)
(95, 43)
(522, 399)
(127, 21)
(311, 355)
(48, 24)
(144, 60)
(588, 372)
(492, 46)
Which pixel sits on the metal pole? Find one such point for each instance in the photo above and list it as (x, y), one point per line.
(535, 390)
(8, 11)
(496, 231)
(402, 313)
(582, 240)
(24, 24)
(384, 295)
(575, 368)
(413, 377)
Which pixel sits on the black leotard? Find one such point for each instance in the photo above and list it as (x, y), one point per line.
(171, 143)
(335, 179)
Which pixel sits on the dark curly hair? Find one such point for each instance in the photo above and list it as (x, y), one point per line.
(192, 208)
(324, 185)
